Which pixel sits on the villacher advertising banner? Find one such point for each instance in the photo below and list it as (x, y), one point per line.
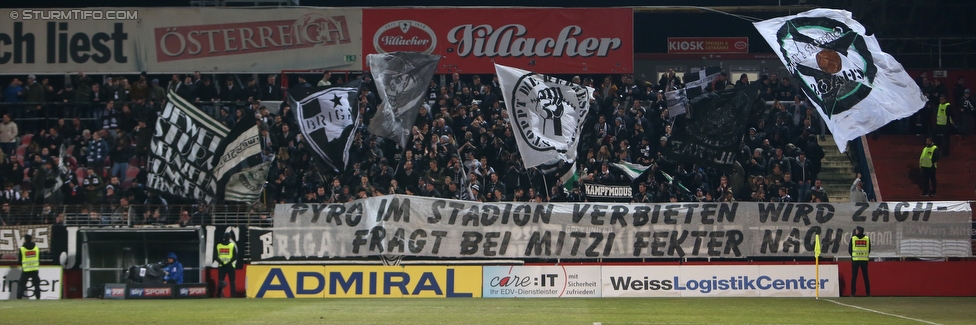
(544, 40)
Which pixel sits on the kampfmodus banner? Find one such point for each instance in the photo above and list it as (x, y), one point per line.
(856, 87)
(469, 40)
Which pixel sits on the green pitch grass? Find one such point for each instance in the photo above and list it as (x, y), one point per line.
(494, 311)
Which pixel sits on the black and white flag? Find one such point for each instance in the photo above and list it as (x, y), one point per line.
(181, 158)
(327, 118)
(712, 135)
(697, 83)
(677, 102)
(247, 184)
(547, 114)
(237, 157)
(856, 87)
(401, 81)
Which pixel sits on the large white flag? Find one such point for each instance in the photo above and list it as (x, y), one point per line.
(856, 87)
(547, 114)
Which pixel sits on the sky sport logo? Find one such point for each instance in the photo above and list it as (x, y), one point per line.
(73, 14)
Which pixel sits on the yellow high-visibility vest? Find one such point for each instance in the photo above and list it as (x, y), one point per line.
(942, 118)
(225, 253)
(30, 259)
(861, 247)
(926, 159)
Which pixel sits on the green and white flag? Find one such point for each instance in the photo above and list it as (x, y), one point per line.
(570, 178)
(856, 87)
(630, 169)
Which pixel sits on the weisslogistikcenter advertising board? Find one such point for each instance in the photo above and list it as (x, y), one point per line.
(50, 283)
(719, 281)
(540, 281)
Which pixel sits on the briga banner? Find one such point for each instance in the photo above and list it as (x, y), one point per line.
(544, 40)
(432, 227)
(358, 281)
(699, 45)
(50, 283)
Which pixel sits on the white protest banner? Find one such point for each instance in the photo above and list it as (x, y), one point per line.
(432, 227)
(857, 87)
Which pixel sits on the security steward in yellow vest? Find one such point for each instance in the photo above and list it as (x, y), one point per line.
(30, 263)
(928, 161)
(860, 251)
(226, 257)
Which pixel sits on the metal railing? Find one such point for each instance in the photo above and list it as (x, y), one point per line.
(115, 215)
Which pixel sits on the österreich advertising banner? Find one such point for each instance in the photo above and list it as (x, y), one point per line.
(544, 40)
(699, 45)
(244, 40)
(431, 227)
(130, 40)
(359, 281)
(720, 281)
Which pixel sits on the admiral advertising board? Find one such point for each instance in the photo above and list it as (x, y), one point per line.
(264, 281)
(543, 281)
(470, 40)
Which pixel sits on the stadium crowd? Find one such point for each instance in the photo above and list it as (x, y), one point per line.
(463, 146)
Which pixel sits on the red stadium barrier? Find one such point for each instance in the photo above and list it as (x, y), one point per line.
(241, 280)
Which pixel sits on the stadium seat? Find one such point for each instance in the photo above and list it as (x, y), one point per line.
(21, 151)
(81, 172)
(131, 173)
(26, 139)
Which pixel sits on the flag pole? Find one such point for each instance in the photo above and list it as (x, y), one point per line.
(817, 264)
